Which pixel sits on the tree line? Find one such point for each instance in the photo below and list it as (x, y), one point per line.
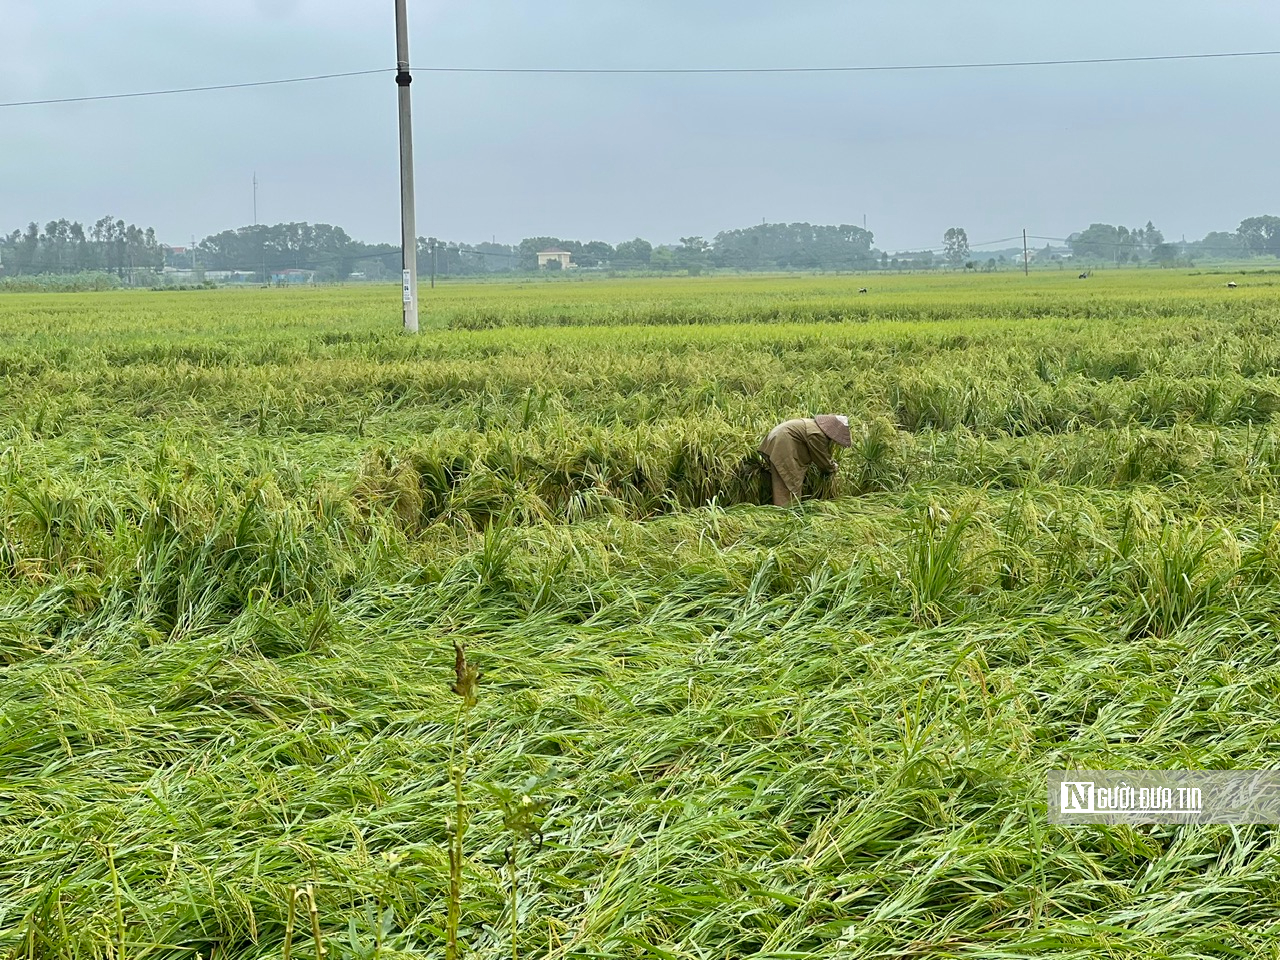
(328, 250)
(108, 246)
(264, 250)
(133, 253)
(1108, 243)
(767, 246)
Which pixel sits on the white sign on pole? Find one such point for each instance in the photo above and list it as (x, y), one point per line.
(408, 287)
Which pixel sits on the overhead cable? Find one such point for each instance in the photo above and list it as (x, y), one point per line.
(652, 71)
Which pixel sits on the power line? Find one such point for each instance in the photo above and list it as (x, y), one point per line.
(654, 71)
(864, 69)
(177, 90)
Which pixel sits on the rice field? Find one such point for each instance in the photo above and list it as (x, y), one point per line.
(245, 534)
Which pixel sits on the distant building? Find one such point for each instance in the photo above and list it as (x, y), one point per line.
(290, 277)
(187, 275)
(176, 256)
(555, 253)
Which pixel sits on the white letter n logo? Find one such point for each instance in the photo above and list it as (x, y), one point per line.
(1076, 796)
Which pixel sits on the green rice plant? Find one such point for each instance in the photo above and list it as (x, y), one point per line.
(522, 820)
(874, 463)
(1150, 457)
(1252, 406)
(1178, 581)
(465, 684)
(938, 404)
(934, 577)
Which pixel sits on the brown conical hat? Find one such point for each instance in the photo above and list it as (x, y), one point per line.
(835, 427)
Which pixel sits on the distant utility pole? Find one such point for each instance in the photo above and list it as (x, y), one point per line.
(1026, 260)
(262, 244)
(408, 226)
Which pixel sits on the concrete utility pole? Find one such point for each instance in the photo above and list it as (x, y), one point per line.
(408, 226)
(262, 243)
(1026, 260)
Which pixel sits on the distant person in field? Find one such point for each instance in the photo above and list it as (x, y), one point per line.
(794, 444)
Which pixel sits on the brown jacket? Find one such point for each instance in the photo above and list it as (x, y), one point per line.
(794, 444)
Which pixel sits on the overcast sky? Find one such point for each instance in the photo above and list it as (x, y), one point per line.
(1191, 145)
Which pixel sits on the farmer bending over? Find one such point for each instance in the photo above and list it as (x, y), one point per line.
(794, 444)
